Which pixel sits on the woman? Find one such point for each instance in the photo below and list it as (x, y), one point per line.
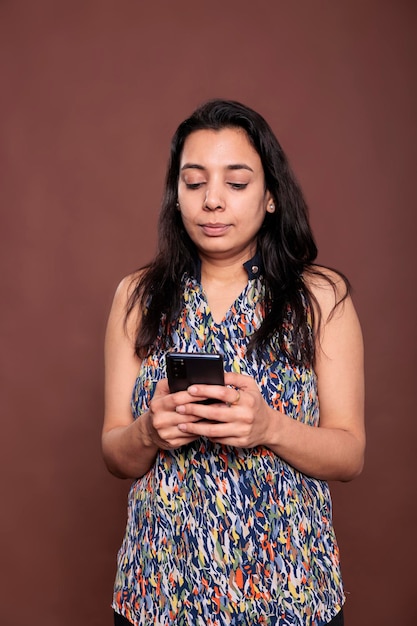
(229, 518)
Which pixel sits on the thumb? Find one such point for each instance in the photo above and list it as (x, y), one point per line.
(162, 388)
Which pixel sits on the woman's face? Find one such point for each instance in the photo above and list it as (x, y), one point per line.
(221, 193)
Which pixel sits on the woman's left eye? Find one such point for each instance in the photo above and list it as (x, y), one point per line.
(238, 185)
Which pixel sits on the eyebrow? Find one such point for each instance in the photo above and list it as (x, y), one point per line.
(233, 166)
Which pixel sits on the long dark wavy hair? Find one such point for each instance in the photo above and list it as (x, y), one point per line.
(285, 242)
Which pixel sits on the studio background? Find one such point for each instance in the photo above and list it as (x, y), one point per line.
(91, 93)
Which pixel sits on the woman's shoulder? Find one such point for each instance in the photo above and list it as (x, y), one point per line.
(328, 287)
(124, 299)
(127, 286)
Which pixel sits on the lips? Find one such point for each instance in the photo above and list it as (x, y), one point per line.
(215, 230)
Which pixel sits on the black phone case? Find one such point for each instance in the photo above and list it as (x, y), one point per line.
(185, 369)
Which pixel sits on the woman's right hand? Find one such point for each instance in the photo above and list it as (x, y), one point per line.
(159, 425)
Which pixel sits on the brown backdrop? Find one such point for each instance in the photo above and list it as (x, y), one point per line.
(90, 94)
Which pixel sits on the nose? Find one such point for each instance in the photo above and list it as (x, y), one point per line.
(213, 199)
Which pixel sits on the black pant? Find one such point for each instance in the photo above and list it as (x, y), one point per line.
(119, 620)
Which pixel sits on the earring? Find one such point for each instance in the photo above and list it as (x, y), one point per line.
(271, 207)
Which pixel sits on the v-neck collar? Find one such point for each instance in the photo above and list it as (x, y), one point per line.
(253, 267)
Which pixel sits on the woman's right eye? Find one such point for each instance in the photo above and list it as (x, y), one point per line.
(193, 185)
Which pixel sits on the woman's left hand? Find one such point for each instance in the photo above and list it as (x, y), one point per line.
(241, 418)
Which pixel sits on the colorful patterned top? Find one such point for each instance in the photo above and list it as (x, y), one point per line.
(222, 536)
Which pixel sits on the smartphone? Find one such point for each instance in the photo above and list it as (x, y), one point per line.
(185, 369)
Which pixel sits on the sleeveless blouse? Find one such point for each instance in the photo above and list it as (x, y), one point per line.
(218, 535)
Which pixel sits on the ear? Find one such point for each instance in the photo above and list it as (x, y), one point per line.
(270, 204)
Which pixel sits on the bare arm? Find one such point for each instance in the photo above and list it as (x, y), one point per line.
(124, 450)
(334, 450)
(130, 446)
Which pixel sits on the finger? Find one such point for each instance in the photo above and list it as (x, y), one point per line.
(182, 439)
(203, 415)
(192, 412)
(224, 394)
(213, 430)
(212, 392)
(241, 381)
(165, 405)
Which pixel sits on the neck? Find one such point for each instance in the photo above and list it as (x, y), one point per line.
(223, 273)
(222, 284)
(225, 270)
